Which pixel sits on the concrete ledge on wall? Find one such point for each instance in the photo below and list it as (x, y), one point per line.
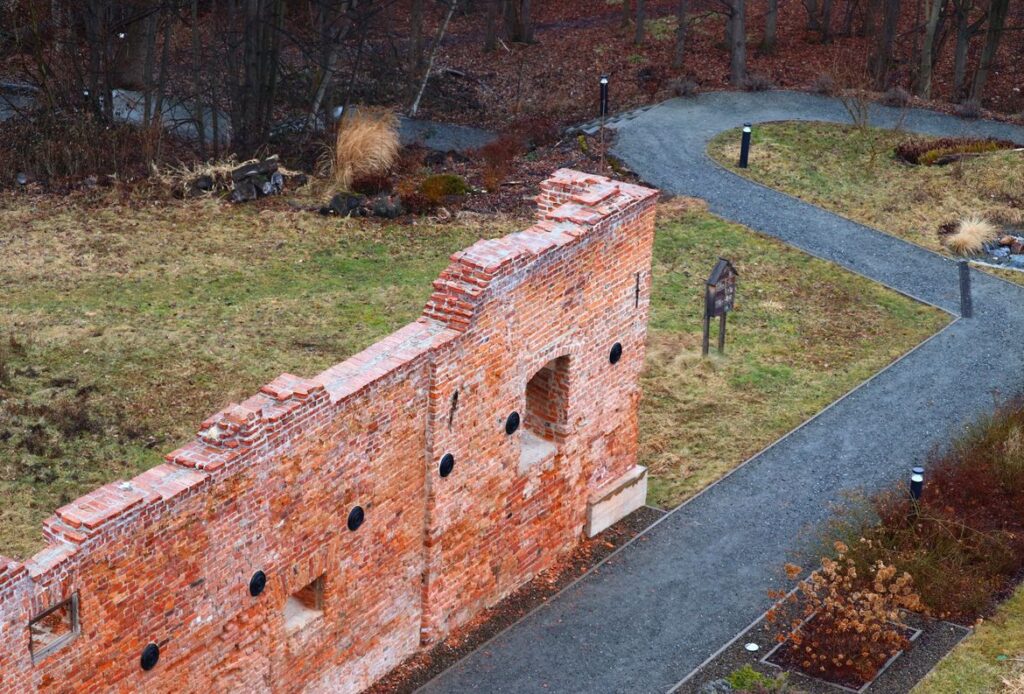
(616, 500)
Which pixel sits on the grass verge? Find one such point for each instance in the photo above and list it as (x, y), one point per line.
(989, 658)
(124, 325)
(853, 172)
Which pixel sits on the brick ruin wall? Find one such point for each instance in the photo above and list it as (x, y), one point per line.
(271, 485)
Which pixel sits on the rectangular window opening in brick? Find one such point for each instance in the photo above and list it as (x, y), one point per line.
(53, 628)
(304, 606)
(547, 399)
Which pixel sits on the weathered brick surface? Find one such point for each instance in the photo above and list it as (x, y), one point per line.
(268, 484)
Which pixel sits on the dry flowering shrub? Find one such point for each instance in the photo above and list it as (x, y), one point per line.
(844, 626)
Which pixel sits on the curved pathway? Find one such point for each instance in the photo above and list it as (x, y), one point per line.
(663, 604)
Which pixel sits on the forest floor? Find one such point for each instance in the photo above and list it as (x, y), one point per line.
(853, 172)
(126, 322)
(577, 41)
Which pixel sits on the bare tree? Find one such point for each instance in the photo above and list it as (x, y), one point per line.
(881, 57)
(490, 22)
(518, 23)
(641, 21)
(771, 20)
(996, 23)
(738, 42)
(933, 12)
(678, 52)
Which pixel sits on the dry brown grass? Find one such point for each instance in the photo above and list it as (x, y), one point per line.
(367, 145)
(1014, 686)
(971, 235)
(853, 173)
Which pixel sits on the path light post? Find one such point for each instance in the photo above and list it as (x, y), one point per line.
(916, 483)
(745, 146)
(604, 111)
(966, 308)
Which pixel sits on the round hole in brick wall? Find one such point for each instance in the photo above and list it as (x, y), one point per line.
(616, 353)
(355, 518)
(150, 656)
(512, 423)
(447, 464)
(257, 583)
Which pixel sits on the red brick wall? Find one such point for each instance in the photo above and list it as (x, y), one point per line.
(268, 484)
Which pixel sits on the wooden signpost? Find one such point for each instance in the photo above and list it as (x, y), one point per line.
(719, 296)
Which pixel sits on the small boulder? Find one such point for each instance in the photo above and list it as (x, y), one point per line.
(387, 206)
(346, 204)
(245, 191)
(1006, 240)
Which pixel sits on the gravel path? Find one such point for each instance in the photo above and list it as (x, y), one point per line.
(663, 604)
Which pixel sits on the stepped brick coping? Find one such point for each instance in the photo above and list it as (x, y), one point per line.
(571, 205)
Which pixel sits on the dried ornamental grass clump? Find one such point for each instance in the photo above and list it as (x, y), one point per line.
(971, 235)
(847, 625)
(367, 145)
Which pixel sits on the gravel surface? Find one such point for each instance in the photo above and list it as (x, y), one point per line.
(660, 606)
(443, 137)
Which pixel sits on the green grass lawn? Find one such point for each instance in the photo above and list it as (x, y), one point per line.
(853, 172)
(124, 325)
(987, 660)
(803, 333)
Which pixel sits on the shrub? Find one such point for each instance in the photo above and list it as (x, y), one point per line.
(367, 144)
(824, 84)
(971, 235)
(964, 540)
(68, 147)
(897, 97)
(969, 109)
(498, 157)
(684, 87)
(417, 203)
(438, 187)
(849, 623)
(748, 680)
(535, 131)
(372, 184)
(758, 82)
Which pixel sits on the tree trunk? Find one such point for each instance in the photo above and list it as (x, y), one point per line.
(963, 44)
(881, 59)
(641, 21)
(933, 10)
(627, 13)
(433, 53)
(682, 9)
(518, 25)
(197, 89)
(771, 20)
(738, 47)
(813, 23)
(415, 39)
(826, 21)
(490, 25)
(996, 22)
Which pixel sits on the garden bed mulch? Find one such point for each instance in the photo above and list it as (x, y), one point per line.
(420, 668)
(932, 639)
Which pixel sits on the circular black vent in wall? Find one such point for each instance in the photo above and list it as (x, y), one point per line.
(512, 423)
(257, 583)
(356, 518)
(447, 464)
(616, 353)
(150, 656)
